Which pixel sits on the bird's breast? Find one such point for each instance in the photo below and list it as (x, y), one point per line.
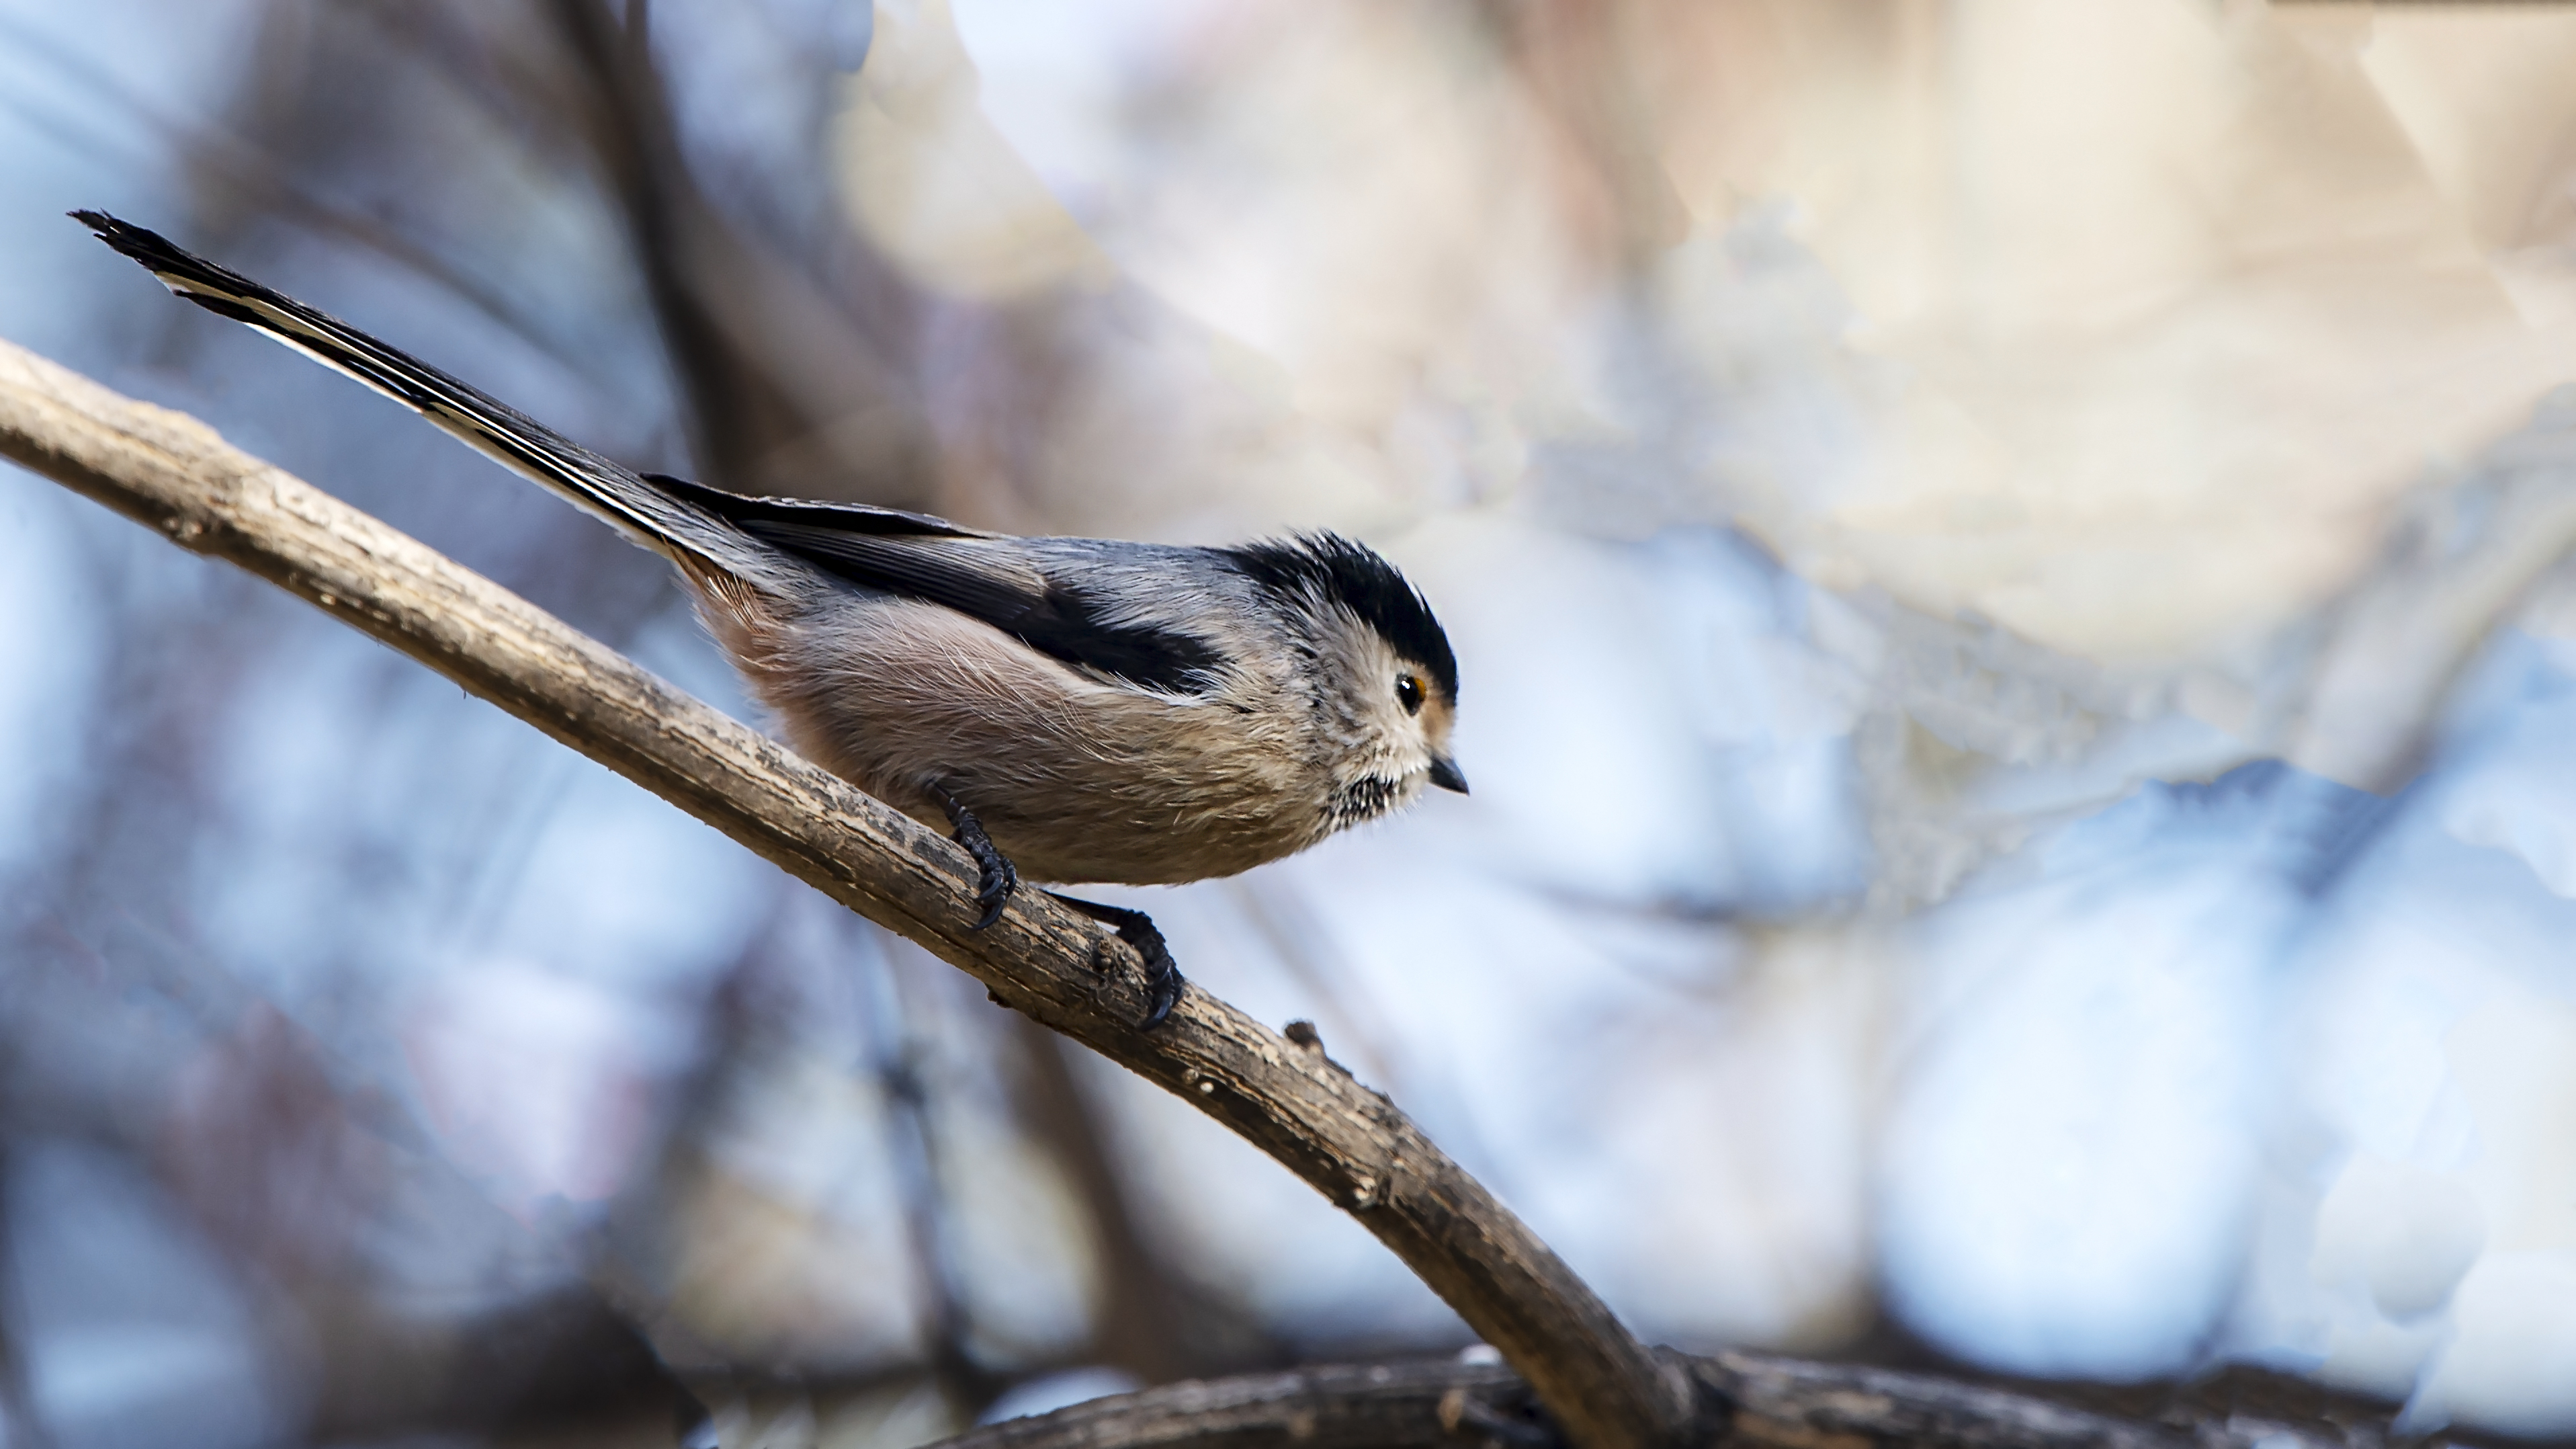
(1078, 780)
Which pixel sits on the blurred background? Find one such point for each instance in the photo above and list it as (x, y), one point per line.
(2008, 562)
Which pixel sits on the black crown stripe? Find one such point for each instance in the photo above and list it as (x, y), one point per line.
(1328, 568)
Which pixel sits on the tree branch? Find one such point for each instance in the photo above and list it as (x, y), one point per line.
(174, 474)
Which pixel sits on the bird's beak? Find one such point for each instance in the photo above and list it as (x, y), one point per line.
(1446, 775)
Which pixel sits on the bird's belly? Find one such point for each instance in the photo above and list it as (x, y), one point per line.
(1137, 818)
(1135, 852)
(1076, 781)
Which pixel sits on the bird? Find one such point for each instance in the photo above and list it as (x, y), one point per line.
(1072, 710)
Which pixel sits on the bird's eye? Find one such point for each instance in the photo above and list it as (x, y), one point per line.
(1408, 692)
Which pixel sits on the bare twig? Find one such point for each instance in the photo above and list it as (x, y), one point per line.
(175, 475)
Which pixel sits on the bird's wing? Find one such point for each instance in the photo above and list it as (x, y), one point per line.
(1044, 596)
(980, 574)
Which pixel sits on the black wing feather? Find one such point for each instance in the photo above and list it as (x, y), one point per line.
(843, 517)
(968, 575)
(981, 575)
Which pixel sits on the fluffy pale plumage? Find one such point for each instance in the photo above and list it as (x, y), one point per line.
(1079, 775)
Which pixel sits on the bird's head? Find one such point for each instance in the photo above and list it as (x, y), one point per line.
(1385, 680)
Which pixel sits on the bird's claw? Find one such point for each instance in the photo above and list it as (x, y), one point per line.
(995, 876)
(1163, 979)
(1162, 973)
(995, 880)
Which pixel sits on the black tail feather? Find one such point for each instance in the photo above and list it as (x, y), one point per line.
(650, 515)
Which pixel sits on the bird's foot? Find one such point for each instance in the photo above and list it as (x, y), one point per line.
(996, 878)
(1162, 974)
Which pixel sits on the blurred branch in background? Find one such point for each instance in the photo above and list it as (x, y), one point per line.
(1151, 1323)
(1773, 1403)
(898, 1060)
(18, 1420)
(789, 391)
(277, 1155)
(1587, 69)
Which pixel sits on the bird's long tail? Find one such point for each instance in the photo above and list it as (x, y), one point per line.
(688, 535)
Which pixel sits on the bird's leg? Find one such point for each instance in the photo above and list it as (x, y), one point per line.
(1162, 973)
(996, 878)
